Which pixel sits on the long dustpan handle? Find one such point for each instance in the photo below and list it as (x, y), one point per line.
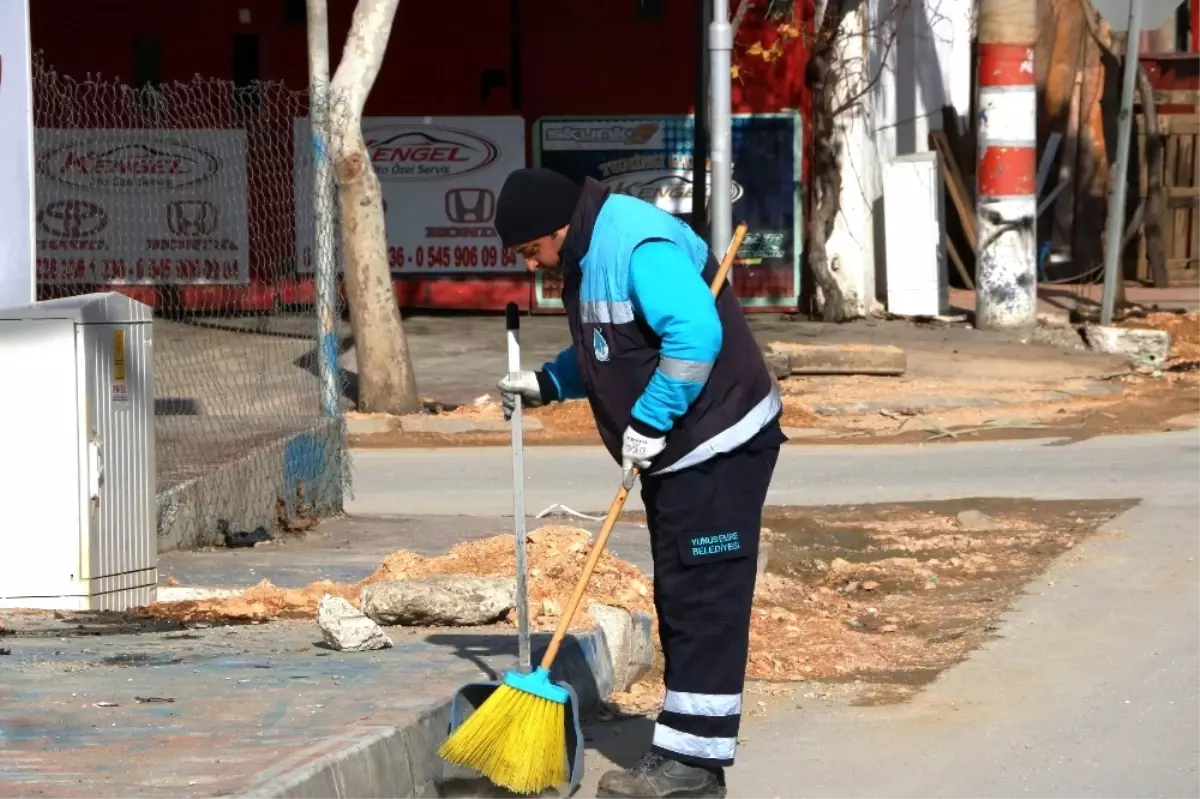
(512, 324)
(618, 503)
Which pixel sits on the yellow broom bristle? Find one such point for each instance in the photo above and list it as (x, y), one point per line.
(515, 739)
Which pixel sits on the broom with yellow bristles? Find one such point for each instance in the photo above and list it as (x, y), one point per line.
(518, 738)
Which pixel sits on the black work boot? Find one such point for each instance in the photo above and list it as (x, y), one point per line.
(657, 777)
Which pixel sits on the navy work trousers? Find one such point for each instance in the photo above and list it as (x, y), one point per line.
(704, 529)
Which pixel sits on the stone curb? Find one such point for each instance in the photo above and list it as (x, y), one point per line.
(389, 761)
(920, 404)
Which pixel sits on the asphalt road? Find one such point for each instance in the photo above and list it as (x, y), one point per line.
(1092, 687)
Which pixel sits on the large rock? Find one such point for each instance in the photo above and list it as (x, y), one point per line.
(778, 364)
(972, 519)
(629, 644)
(1151, 347)
(346, 628)
(445, 601)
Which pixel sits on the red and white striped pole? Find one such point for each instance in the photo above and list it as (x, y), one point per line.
(1006, 196)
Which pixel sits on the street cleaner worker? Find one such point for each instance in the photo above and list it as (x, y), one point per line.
(679, 390)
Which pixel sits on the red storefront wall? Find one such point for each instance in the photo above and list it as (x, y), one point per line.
(586, 57)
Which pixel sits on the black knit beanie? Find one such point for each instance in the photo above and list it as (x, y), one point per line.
(534, 203)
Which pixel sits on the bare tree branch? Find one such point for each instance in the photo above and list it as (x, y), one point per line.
(739, 16)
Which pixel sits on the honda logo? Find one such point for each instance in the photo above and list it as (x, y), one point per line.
(192, 217)
(470, 206)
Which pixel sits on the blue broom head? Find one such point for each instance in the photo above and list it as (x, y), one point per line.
(537, 683)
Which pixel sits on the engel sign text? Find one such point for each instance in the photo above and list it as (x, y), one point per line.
(440, 177)
(141, 206)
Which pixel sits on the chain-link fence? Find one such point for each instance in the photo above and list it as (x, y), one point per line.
(184, 196)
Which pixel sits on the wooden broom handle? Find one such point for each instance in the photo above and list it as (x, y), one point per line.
(618, 503)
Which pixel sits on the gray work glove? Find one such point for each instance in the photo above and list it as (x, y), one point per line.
(526, 386)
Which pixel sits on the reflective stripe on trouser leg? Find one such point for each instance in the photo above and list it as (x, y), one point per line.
(704, 599)
(718, 714)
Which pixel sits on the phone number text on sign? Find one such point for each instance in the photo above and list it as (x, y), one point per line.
(434, 256)
(139, 270)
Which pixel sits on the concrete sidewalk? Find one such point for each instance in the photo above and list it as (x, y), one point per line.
(95, 705)
(97, 709)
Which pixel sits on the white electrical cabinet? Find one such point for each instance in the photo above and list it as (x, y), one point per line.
(917, 283)
(77, 496)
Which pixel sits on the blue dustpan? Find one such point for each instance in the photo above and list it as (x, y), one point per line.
(472, 695)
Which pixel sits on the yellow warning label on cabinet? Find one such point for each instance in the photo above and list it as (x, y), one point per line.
(118, 355)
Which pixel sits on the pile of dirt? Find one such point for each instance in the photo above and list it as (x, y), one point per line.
(571, 417)
(264, 601)
(797, 414)
(556, 554)
(884, 594)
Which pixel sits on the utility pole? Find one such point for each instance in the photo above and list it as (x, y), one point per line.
(324, 266)
(700, 126)
(720, 44)
(1119, 176)
(1006, 196)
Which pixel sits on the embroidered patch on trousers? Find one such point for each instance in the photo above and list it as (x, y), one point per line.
(711, 547)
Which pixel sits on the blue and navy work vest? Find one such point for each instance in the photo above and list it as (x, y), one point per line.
(618, 352)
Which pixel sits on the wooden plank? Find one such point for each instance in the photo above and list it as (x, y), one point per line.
(1184, 272)
(1143, 264)
(1182, 178)
(1170, 162)
(954, 185)
(1173, 124)
(1176, 98)
(966, 186)
(1193, 211)
(1180, 124)
(959, 266)
(842, 359)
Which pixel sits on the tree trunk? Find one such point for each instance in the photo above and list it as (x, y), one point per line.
(1156, 201)
(836, 304)
(386, 381)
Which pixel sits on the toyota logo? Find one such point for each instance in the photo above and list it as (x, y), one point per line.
(192, 217)
(72, 219)
(470, 206)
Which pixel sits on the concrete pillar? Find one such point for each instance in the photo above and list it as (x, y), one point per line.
(1006, 199)
(18, 249)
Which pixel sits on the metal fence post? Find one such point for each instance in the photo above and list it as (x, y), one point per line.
(325, 268)
(1115, 226)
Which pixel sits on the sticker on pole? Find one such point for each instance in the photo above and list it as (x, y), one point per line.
(120, 390)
